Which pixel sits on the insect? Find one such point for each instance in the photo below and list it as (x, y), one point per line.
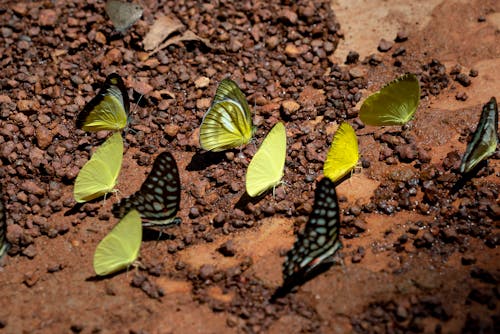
(120, 247)
(108, 110)
(485, 139)
(4, 245)
(99, 175)
(228, 122)
(266, 168)
(123, 14)
(393, 104)
(343, 154)
(158, 199)
(320, 239)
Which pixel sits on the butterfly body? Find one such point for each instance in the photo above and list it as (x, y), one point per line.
(266, 168)
(319, 241)
(228, 122)
(108, 110)
(393, 104)
(99, 175)
(485, 138)
(158, 199)
(120, 248)
(343, 154)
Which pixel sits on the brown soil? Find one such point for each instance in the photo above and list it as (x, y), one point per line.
(419, 254)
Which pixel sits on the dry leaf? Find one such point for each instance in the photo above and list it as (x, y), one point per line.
(161, 29)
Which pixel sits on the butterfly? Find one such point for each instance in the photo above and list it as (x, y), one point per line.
(123, 14)
(98, 176)
(343, 154)
(394, 104)
(108, 110)
(228, 122)
(120, 248)
(158, 199)
(4, 246)
(266, 168)
(320, 239)
(485, 139)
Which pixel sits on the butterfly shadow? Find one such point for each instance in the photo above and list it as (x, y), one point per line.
(76, 208)
(201, 161)
(245, 199)
(466, 177)
(153, 234)
(97, 278)
(298, 279)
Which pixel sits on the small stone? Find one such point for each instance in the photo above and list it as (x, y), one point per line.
(401, 36)
(227, 248)
(30, 251)
(463, 79)
(142, 87)
(473, 73)
(468, 260)
(206, 271)
(288, 15)
(357, 72)
(27, 106)
(384, 45)
(481, 18)
(32, 188)
(401, 313)
(114, 56)
(292, 51)
(172, 130)
(100, 38)
(272, 42)
(203, 103)
(399, 51)
(407, 153)
(290, 106)
(47, 18)
(202, 82)
(352, 57)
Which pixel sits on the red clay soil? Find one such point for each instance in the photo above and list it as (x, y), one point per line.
(420, 247)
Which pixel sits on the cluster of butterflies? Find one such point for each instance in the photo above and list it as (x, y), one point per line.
(226, 125)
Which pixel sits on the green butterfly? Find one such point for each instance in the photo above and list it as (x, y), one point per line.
(485, 139)
(108, 110)
(266, 168)
(120, 248)
(98, 176)
(394, 104)
(228, 122)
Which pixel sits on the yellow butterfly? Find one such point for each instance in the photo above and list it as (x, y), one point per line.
(485, 140)
(120, 248)
(343, 154)
(108, 110)
(394, 104)
(228, 122)
(98, 176)
(266, 168)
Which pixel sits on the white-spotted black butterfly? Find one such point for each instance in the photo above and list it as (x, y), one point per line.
(320, 239)
(158, 199)
(4, 246)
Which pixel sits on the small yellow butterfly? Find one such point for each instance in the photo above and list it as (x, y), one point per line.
(343, 154)
(98, 176)
(266, 168)
(108, 110)
(120, 248)
(228, 122)
(394, 104)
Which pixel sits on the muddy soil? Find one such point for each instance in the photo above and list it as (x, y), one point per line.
(420, 244)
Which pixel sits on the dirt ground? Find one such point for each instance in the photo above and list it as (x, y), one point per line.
(420, 253)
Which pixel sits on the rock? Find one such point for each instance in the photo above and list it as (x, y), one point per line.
(292, 51)
(357, 72)
(401, 36)
(290, 106)
(463, 79)
(32, 188)
(227, 248)
(47, 18)
(384, 45)
(44, 137)
(206, 271)
(352, 57)
(202, 82)
(171, 130)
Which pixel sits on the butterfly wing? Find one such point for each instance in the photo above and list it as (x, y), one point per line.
(485, 139)
(320, 238)
(158, 199)
(4, 246)
(98, 176)
(123, 14)
(120, 247)
(228, 122)
(394, 104)
(343, 154)
(108, 110)
(266, 168)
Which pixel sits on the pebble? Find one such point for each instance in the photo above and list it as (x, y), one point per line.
(384, 45)
(47, 18)
(206, 271)
(352, 58)
(228, 248)
(357, 72)
(290, 106)
(30, 251)
(32, 188)
(44, 137)
(463, 79)
(202, 82)
(401, 36)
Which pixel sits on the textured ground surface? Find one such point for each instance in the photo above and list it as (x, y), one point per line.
(418, 255)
